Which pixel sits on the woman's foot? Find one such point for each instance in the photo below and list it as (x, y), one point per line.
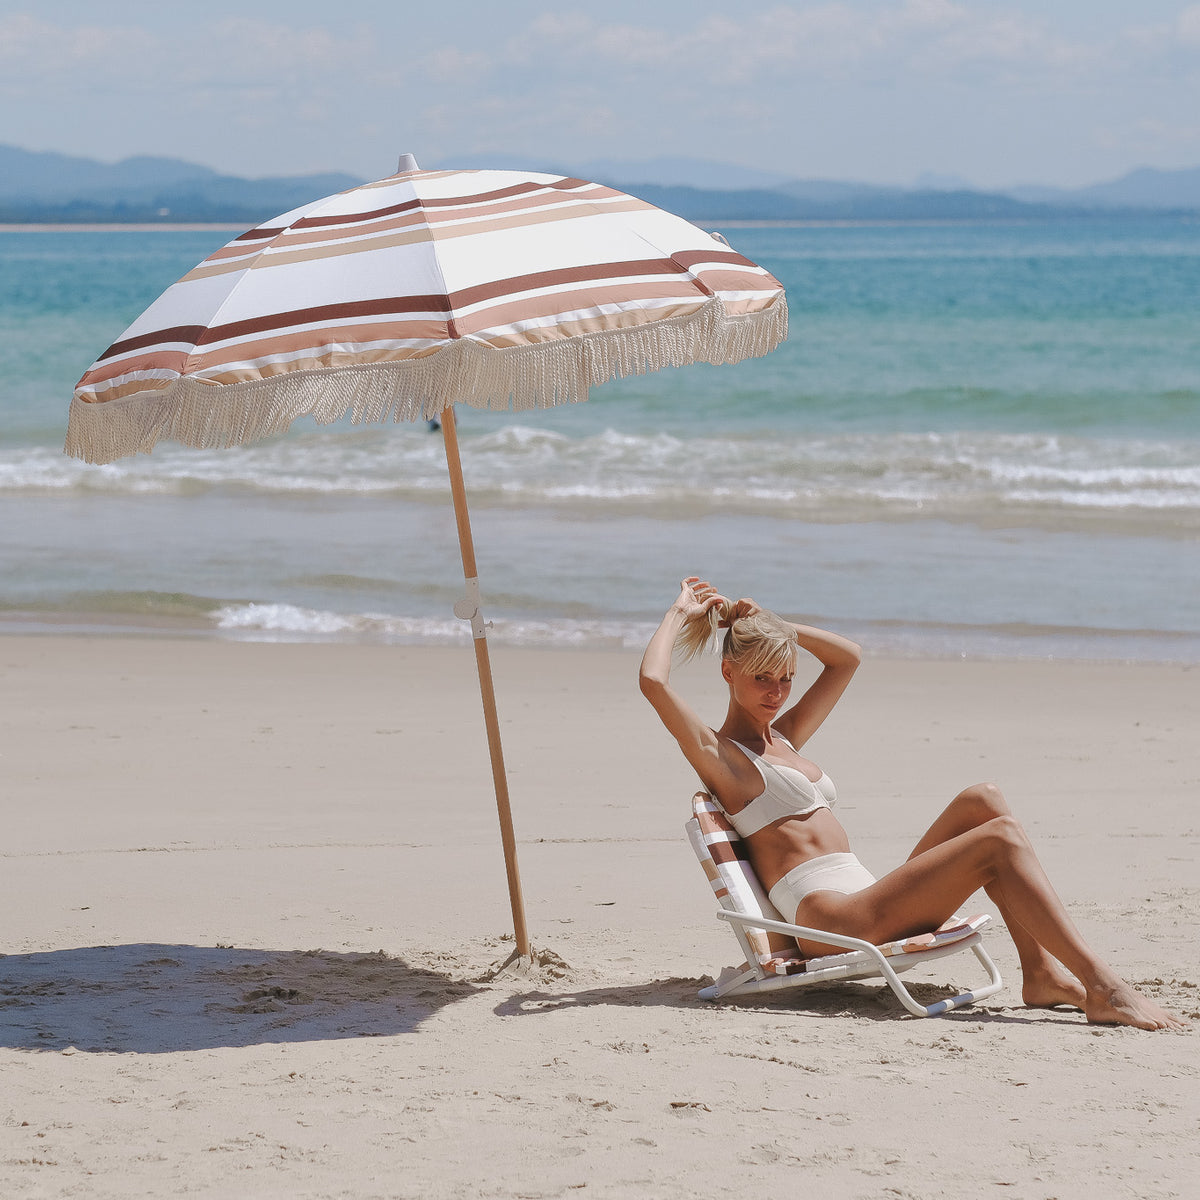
(1120, 1004)
(1052, 986)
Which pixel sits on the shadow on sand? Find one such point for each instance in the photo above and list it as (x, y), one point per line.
(857, 1000)
(150, 998)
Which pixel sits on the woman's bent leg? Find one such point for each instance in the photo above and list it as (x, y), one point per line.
(996, 855)
(1044, 981)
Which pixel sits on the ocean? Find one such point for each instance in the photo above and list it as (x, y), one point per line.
(979, 440)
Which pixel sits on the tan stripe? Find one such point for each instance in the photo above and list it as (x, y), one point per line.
(735, 281)
(158, 360)
(354, 342)
(530, 308)
(353, 339)
(191, 361)
(268, 371)
(405, 176)
(310, 236)
(256, 351)
(238, 250)
(411, 238)
(355, 336)
(753, 304)
(524, 188)
(383, 307)
(725, 847)
(316, 237)
(315, 363)
(130, 388)
(436, 217)
(572, 283)
(266, 232)
(291, 238)
(631, 319)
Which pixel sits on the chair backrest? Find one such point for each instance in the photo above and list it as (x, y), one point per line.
(722, 854)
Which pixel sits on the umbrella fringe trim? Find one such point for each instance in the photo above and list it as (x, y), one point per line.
(520, 378)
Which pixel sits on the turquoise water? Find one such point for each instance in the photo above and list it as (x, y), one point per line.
(979, 439)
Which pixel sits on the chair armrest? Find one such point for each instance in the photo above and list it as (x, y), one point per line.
(924, 941)
(797, 931)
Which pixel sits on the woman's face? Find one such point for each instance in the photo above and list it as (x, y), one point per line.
(762, 694)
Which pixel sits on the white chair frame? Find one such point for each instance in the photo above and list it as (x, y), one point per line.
(864, 961)
(743, 903)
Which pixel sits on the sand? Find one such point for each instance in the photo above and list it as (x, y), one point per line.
(254, 907)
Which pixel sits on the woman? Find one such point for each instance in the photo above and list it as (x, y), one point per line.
(779, 802)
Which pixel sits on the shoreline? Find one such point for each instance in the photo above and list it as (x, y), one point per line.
(911, 642)
(1066, 217)
(115, 227)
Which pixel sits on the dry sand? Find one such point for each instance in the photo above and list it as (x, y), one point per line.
(253, 901)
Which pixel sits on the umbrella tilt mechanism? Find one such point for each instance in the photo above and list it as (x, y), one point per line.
(467, 609)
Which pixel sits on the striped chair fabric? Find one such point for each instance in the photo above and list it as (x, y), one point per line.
(726, 863)
(722, 854)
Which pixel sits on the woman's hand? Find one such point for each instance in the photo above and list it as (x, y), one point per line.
(745, 607)
(696, 597)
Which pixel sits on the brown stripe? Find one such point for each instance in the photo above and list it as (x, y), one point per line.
(529, 308)
(689, 258)
(312, 237)
(724, 852)
(329, 360)
(260, 235)
(434, 202)
(199, 335)
(412, 237)
(586, 273)
(735, 281)
(188, 334)
(353, 336)
(353, 339)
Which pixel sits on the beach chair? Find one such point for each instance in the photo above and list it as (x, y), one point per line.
(745, 905)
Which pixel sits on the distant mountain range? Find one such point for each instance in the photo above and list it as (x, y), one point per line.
(37, 187)
(43, 187)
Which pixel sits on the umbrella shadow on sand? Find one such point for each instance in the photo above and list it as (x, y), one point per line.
(151, 998)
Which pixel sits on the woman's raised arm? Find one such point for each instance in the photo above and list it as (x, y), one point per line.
(696, 739)
(839, 657)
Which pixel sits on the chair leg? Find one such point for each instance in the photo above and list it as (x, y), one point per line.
(994, 984)
(717, 990)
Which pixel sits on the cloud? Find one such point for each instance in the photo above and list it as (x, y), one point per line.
(1187, 26)
(821, 39)
(254, 53)
(617, 80)
(850, 86)
(31, 49)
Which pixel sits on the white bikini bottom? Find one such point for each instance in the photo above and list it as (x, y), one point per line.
(837, 872)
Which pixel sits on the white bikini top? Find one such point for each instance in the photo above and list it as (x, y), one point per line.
(787, 792)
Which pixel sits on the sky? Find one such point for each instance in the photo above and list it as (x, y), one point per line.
(992, 92)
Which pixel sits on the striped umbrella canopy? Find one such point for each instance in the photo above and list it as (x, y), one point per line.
(397, 299)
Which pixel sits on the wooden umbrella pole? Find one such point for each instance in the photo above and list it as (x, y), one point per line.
(468, 609)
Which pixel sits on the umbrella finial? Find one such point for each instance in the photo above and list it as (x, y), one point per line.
(407, 163)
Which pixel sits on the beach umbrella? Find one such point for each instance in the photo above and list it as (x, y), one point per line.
(400, 298)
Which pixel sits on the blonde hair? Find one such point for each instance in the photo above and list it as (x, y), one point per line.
(762, 641)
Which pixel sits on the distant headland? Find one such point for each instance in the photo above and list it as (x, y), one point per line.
(38, 188)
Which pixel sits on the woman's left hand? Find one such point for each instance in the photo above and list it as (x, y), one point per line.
(697, 596)
(745, 607)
